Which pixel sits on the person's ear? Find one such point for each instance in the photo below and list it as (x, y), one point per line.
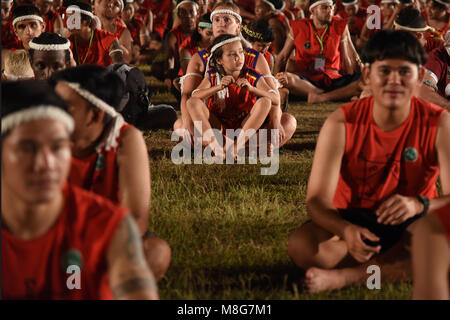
(365, 73)
(421, 74)
(98, 115)
(43, 26)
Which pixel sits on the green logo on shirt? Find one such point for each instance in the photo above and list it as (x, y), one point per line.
(411, 154)
(100, 163)
(72, 257)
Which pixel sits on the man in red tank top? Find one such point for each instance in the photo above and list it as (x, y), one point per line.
(374, 172)
(58, 241)
(109, 155)
(327, 63)
(89, 44)
(109, 13)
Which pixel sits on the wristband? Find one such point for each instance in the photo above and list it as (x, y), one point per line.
(426, 204)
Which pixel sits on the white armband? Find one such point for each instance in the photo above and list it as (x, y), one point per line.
(115, 50)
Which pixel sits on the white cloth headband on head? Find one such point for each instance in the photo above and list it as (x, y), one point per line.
(50, 47)
(34, 113)
(273, 6)
(99, 103)
(72, 9)
(350, 3)
(226, 11)
(7, 1)
(224, 42)
(426, 28)
(186, 1)
(14, 78)
(318, 3)
(28, 17)
(390, 1)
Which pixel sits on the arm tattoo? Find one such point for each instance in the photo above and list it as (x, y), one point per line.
(133, 243)
(134, 285)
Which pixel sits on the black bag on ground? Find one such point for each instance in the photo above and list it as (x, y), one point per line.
(135, 106)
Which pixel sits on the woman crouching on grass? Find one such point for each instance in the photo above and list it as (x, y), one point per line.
(239, 98)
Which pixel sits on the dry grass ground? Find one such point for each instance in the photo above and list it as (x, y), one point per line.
(228, 226)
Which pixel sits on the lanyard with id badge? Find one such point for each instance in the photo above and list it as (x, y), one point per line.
(319, 61)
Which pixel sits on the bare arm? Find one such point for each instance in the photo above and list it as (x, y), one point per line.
(325, 175)
(205, 90)
(428, 93)
(262, 89)
(280, 34)
(185, 57)
(350, 62)
(283, 56)
(58, 26)
(134, 176)
(125, 41)
(128, 273)
(116, 55)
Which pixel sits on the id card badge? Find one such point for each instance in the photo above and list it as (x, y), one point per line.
(319, 63)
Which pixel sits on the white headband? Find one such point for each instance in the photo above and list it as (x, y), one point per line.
(99, 103)
(226, 11)
(28, 17)
(186, 1)
(273, 6)
(350, 3)
(7, 1)
(426, 28)
(50, 47)
(14, 78)
(443, 3)
(222, 43)
(34, 113)
(72, 9)
(390, 1)
(318, 3)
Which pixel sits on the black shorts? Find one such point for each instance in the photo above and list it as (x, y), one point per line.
(366, 218)
(335, 83)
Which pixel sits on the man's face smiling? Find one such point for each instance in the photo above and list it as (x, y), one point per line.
(393, 82)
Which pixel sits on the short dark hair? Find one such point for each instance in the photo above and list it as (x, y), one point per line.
(83, 6)
(50, 38)
(258, 30)
(20, 95)
(25, 10)
(99, 81)
(394, 44)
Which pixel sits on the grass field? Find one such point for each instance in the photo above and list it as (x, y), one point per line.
(228, 226)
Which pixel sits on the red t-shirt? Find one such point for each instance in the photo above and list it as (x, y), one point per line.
(443, 215)
(355, 23)
(308, 48)
(238, 103)
(135, 28)
(9, 39)
(82, 234)
(98, 53)
(99, 172)
(437, 66)
(377, 164)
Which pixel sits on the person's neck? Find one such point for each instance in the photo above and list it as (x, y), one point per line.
(203, 44)
(234, 74)
(108, 24)
(389, 119)
(186, 29)
(85, 35)
(87, 146)
(28, 221)
(318, 24)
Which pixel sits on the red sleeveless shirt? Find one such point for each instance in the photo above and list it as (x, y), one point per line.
(37, 269)
(99, 172)
(99, 51)
(308, 48)
(377, 164)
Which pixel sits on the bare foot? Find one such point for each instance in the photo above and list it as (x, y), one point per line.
(315, 98)
(318, 280)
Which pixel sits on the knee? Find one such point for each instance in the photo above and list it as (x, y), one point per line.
(265, 103)
(193, 103)
(158, 255)
(289, 123)
(300, 249)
